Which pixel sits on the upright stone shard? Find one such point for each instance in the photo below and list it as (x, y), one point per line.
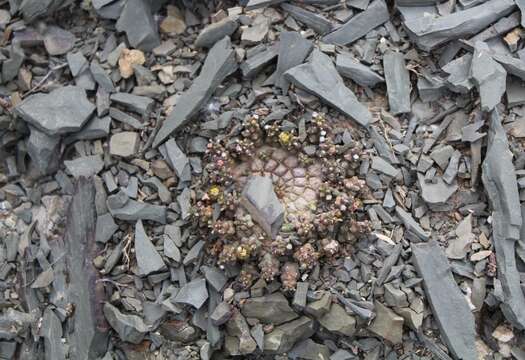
(358, 26)
(293, 50)
(316, 22)
(260, 200)
(397, 82)
(499, 180)
(320, 77)
(137, 21)
(148, 258)
(429, 32)
(489, 76)
(89, 337)
(351, 68)
(449, 307)
(130, 328)
(63, 110)
(219, 63)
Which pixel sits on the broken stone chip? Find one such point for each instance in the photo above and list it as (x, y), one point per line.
(193, 293)
(351, 68)
(260, 200)
(397, 82)
(148, 258)
(272, 308)
(130, 328)
(63, 110)
(137, 21)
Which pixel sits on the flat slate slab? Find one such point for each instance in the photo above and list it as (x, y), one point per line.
(293, 50)
(62, 111)
(148, 258)
(137, 21)
(219, 63)
(358, 26)
(351, 68)
(499, 180)
(489, 76)
(320, 77)
(428, 32)
(449, 306)
(397, 82)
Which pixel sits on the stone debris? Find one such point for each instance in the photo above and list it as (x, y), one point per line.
(273, 309)
(148, 258)
(397, 83)
(124, 144)
(130, 328)
(351, 68)
(193, 293)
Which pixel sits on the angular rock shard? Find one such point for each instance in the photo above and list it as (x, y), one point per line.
(63, 110)
(90, 332)
(193, 293)
(428, 32)
(285, 336)
(397, 82)
(449, 306)
(260, 200)
(358, 26)
(130, 328)
(216, 31)
(137, 21)
(219, 63)
(293, 50)
(499, 180)
(320, 77)
(272, 308)
(489, 76)
(316, 22)
(351, 68)
(148, 258)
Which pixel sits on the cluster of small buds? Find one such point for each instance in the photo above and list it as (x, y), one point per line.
(289, 275)
(280, 246)
(269, 266)
(330, 247)
(247, 276)
(224, 228)
(326, 221)
(307, 256)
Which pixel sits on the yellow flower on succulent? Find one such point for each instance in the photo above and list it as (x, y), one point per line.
(214, 191)
(285, 138)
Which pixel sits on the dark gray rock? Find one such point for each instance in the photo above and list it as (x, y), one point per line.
(184, 201)
(293, 49)
(316, 22)
(243, 343)
(96, 128)
(33, 9)
(124, 144)
(489, 77)
(101, 77)
(273, 308)
(387, 324)
(148, 258)
(125, 118)
(397, 82)
(459, 79)
(86, 166)
(194, 253)
(193, 293)
(499, 180)
(515, 92)
(215, 32)
(11, 66)
(381, 165)
(130, 328)
(256, 4)
(178, 160)
(89, 335)
(161, 189)
(437, 191)
(171, 250)
(134, 210)
(215, 277)
(449, 306)
(52, 334)
(139, 104)
(351, 68)
(309, 350)
(105, 228)
(63, 110)
(219, 63)
(411, 224)
(221, 314)
(44, 151)
(358, 26)
(320, 77)
(338, 321)
(259, 198)
(428, 32)
(14, 323)
(137, 21)
(256, 63)
(58, 41)
(285, 336)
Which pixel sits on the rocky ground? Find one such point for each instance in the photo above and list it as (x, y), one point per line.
(262, 179)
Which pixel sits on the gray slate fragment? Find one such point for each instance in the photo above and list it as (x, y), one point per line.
(256, 4)
(86, 166)
(316, 22)
(320, 77)
(273, 308)
(139, 104)
(259, 198)
(309, 350)
(384, 167)
(397, 82)
(193, 293)
(52, 334)
(285, 336)
(489, 76)
(130, 328)
(256, 63)
(101, 77)
(96, 128)
(215, 32)
(134, 210)
(63, 110)
(105, 228)
(184, 201)
(194, 253)
(58, 41)
(338, 321)
(33, 9)
(178, 160)
(438, 192)
(459, 79)
(43, 150)
(428, 32)
(387, 324)
(11, 66)
(499, 180)
(351, 68)
(293, 49)
(358, 26)
(124, 144)
(148, 258)
(449, 306)
(411, 224)
(215, 277)
(137, 21)
(219, 63)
